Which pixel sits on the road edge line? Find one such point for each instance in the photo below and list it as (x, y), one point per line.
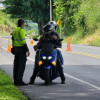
(82, 81)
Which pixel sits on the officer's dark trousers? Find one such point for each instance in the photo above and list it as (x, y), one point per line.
(19, 64)
(59, 65)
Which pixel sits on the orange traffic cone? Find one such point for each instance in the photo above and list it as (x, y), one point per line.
(31, 42)
(68, 45)
(9, 46)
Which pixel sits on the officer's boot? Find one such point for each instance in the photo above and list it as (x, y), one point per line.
(61, 73)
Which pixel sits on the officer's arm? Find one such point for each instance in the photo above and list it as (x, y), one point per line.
(23, 40)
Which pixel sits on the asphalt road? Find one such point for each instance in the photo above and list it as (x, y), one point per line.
(81, 68)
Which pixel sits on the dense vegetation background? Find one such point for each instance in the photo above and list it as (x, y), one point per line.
(6, 24)
(80, 19)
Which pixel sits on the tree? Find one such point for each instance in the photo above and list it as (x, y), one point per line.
(35, 10)
(65, 10)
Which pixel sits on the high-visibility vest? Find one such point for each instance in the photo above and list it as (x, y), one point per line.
(19, 37)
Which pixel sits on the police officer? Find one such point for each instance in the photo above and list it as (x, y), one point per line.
(20, 51)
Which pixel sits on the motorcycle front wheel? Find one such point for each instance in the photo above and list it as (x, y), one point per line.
(47, 77)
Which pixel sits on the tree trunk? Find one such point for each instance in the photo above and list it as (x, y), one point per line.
(40, 27)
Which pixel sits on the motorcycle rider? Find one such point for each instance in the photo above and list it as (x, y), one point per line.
(49, 36)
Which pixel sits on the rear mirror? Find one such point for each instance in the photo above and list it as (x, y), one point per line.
(60, 40)
(35, 39)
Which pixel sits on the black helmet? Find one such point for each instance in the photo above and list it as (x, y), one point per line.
(50, 27)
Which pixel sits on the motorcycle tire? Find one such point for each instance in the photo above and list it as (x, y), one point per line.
(47, 77)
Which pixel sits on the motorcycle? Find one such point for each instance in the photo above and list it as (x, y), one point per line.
(47, 63)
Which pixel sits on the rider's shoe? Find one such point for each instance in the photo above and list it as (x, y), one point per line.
(63, 80)
(31, 82)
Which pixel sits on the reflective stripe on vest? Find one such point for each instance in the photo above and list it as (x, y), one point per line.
(18, 39)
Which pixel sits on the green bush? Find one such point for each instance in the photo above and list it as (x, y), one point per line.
(6, 23)
(78, 16)
(36, 36)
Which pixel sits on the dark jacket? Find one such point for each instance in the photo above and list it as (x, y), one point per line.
(47, 38)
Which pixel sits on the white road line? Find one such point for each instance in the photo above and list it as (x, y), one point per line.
(84, 46)
(30, 59)
(75, 78)
(4, 48)
(82, 81)
(27, 57)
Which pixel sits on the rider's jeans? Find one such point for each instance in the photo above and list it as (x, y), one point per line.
(60, 63)
(60, 57)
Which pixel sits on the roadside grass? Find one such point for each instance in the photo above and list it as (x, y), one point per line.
(91, 39)
(7, 89)
(72, 40)
(4, 33)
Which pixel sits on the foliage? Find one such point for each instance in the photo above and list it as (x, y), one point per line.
(31, 27)
(35, 10)
(35, 36)
(6, 23)
(79, 17)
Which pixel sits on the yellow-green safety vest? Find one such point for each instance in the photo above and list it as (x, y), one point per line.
(19, 37)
